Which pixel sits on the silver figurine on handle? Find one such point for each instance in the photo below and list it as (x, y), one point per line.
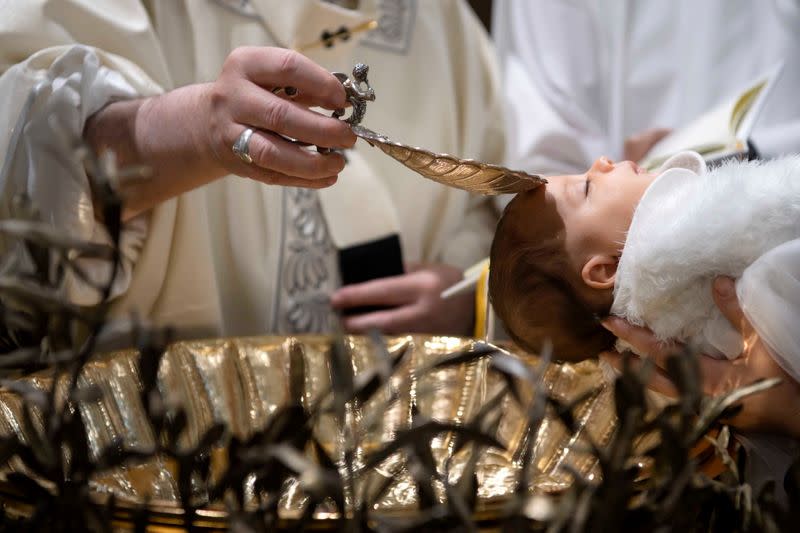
(357, 95)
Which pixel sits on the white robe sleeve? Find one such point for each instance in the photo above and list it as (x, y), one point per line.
(59, 88)
(769, 293)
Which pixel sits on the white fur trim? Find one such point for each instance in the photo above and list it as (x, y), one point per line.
(687, 230)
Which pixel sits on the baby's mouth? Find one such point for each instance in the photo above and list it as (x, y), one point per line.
(636, 168)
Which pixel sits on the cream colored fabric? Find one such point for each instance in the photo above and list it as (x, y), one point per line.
(443, 94)
(211, 258)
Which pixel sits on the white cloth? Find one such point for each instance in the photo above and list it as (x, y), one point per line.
(740, 220)
(58, 102)
(580, 76)
(212, 259)
(769, 291)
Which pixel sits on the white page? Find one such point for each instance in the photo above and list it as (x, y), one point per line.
(711, 131)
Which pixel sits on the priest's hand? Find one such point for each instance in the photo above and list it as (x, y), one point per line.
(185, 136)
(413, 300)
(774, 410)
(249, 94)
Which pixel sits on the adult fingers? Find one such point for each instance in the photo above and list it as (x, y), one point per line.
(266, 111)
(724, 292)
(391, 291)
(269, 177)
(298, 97)
(642, 339)
(399, 320)
(273, 153)
(278, 67)
(272, 177)
(658, 381)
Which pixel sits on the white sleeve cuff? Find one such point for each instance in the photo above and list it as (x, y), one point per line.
(41, 161)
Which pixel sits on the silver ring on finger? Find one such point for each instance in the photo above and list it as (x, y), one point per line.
(241, 147)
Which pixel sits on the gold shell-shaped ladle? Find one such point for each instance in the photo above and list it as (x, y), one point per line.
(467, 174)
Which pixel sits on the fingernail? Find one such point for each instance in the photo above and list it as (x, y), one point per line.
(608, 323)
(724, 287)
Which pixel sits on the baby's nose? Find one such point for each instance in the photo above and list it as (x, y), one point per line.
(603, 164)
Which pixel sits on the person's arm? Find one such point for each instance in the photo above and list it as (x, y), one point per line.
(774, 410)
(62, 95)
(185, 136)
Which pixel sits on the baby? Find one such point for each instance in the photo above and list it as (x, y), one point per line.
(642, 246)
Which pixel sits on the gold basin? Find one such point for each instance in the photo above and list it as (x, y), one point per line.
(241, 382)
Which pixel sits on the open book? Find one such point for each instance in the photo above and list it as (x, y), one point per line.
(722, 132)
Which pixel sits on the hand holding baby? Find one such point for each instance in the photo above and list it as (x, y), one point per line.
(774, 410)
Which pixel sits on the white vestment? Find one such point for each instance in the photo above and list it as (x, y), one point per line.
(580, 76)
(225, 258)
(740, 220)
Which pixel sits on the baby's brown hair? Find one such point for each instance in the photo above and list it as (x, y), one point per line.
(534, 288)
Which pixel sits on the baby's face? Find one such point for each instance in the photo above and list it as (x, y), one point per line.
(597, 207)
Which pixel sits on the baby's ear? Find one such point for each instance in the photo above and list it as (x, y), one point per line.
(600, 271)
